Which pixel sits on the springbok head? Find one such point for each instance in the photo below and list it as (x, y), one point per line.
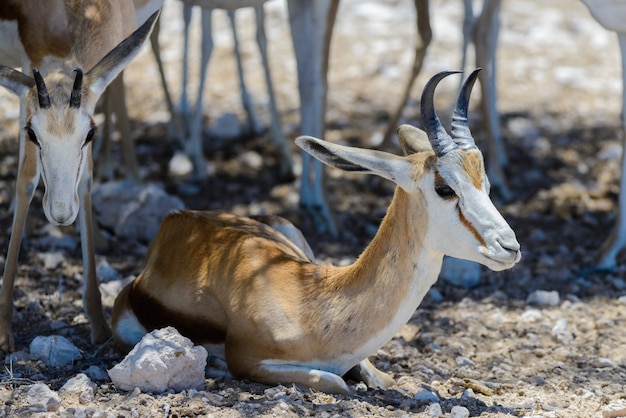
(444, 179)
(464, 222)
(59, 108)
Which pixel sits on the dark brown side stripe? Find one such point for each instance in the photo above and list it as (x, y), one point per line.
(154, 315)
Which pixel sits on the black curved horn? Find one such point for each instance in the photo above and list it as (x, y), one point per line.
(460, 124)
(42, 91)
(437, 135)
(77, 88)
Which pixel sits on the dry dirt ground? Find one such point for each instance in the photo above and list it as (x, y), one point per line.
(487, 349)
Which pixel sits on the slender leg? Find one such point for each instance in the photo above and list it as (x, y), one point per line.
(92, 302)
(424, 36)
(311, 28)
(175, 129)
(183, 104)
(485, 41)
(115, 103)
(286, 161)
(26, 184)
(118, 91)
(253, 124)
(616, 241)
(194, 143)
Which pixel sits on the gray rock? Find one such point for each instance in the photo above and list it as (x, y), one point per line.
(54, 350)
(96, 373)
(464, 362)
(226, 127)
(426, 395)
(43, 399)
(106, 272)
(132, 210)
(435, 411)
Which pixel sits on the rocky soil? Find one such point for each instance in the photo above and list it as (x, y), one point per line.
(545, 339)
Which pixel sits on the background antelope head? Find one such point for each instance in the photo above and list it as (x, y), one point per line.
(59, 124)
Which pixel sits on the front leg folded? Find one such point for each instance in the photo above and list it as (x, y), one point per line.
(302, 376)
(365, 371)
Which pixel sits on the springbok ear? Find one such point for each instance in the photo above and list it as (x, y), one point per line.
(413, 140)
(17, 82)
(389, 166)
(109, 67)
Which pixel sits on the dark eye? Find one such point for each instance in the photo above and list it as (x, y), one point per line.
(32, 136)
(90, 135)
(445, 191)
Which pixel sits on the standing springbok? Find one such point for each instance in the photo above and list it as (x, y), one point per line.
(227, 279)
(190, 116)
(56, 110)
(612, 15)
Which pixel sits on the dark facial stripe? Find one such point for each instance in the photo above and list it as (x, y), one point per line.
(471, 228)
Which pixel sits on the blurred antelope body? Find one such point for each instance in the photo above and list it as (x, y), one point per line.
(230, 280)
(612, 15)
(56, 108)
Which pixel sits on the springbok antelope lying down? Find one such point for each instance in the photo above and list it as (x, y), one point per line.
(280, 318)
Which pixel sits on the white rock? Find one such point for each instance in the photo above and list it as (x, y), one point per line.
(459, 412)
(543, 298)
(435, 411)
(605, 362)
(180, 165)
(614, 410)
(52, 260)
(82, 386)
(77, 384)
(530, 315)
(42, 398)
(54, 350)
(561, 332)
(252, 159)
(162, 360)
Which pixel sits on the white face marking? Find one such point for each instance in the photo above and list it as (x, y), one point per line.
(63, 158)
(480, 232)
